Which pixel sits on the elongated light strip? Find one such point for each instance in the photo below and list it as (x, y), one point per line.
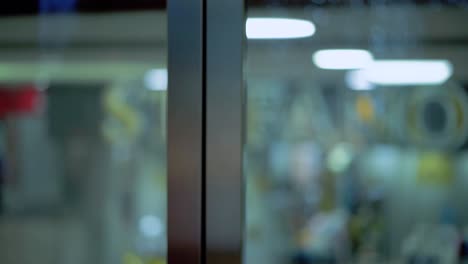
(408, 72)
(342, 59)
(278, 28)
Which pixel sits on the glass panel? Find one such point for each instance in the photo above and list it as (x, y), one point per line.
(83, 132)
(357, 117)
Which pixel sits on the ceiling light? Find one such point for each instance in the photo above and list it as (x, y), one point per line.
(342, 59)
(156, 79)
(357, 81)
(408, 72)
(278, 28)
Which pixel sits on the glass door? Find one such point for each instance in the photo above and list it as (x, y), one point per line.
(83, 132)
(356, 132)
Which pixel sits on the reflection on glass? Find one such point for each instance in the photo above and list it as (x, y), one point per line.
(357, 135)
(83, 134)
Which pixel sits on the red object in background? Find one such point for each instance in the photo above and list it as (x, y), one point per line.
(18, 100)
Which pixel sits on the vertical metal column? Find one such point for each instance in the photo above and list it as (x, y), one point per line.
(185, 131)
(224, 131)
(205, 131)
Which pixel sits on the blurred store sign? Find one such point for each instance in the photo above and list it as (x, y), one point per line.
(18, 100)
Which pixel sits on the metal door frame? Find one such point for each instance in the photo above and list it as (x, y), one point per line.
(205, 131)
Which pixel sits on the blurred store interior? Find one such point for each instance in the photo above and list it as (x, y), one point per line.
(356, 135)
(83, 137)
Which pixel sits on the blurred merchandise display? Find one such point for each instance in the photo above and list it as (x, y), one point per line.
(85, 174)
(369, 195)
(356, 143)
(82, 134)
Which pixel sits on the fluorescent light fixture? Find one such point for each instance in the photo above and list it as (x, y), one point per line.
(408, 72)
(357, 81)
(156, 79)
(342, 59)
(278, 28)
